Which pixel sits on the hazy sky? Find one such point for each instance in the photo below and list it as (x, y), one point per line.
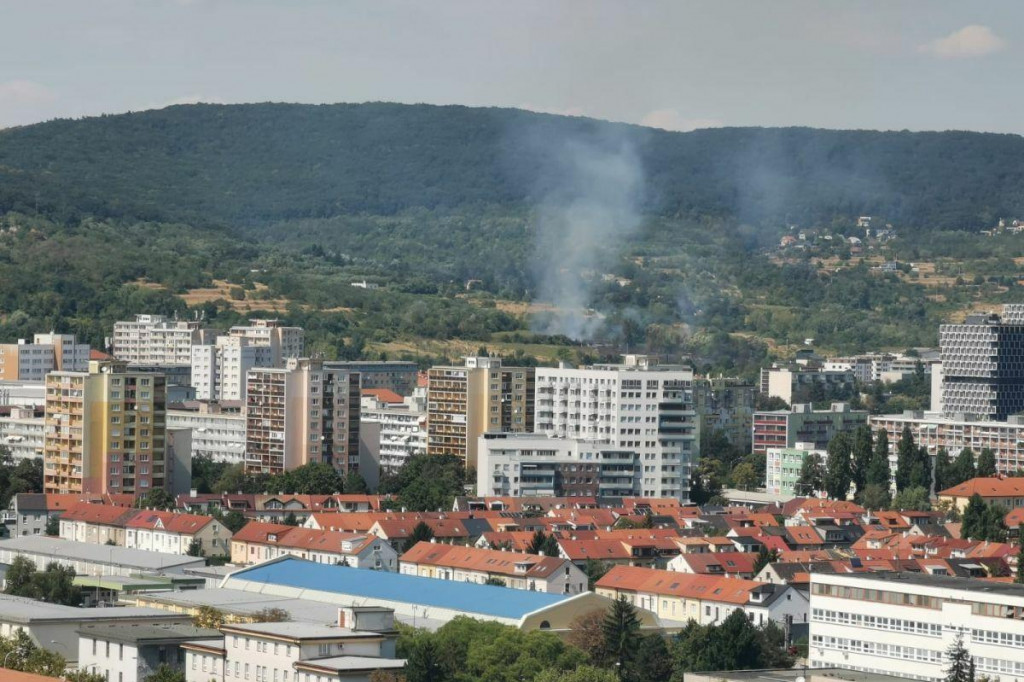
(921, 65)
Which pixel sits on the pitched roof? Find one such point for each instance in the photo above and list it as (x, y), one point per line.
(712, 563)
(483, 560)
(669, 583)
(294, 537)
(384, 395)
(99, 514)
(802, 535)
(579, 550)
(987, 487)
(172, 522)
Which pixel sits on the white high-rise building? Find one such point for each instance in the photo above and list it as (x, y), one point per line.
(157, 340)
(283, 342)
(219, 369)
(638, 406)
(403, 426)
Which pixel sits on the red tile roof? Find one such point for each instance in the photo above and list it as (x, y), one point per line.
(384, 395)
(655, 581)
(483, 560)
(987, 487)
(99, 514)
(172, 522)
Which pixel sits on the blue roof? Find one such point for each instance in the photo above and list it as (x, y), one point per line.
(490, 600)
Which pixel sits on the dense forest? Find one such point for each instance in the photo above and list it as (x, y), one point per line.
(666, 242)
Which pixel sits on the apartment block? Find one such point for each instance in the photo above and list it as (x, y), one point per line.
(219, 369)
(783, 466)
(47, 353)
(530, 465)
(282, 342)
(22, 431)
(155, 339)
(903, 624)
(482, 396)
(392, 375)
(217, 429)
(105, 431)
(983, 365)
(638, 406)
(402, 427)
(726, 405)
(800, 384)
(803, 424)
(301, 413)
(933, 431)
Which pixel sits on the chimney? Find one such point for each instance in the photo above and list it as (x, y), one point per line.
(341, 618)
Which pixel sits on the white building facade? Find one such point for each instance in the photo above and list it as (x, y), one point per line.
(217, 435)
(903, 623)
(155, 339)
(638, 406)
(403, 428)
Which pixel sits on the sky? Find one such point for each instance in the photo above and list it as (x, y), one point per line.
(674, 64)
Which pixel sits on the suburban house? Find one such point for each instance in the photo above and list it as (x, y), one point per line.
(1008, 492)
(258, 542)
(473, 564)
(163, 531)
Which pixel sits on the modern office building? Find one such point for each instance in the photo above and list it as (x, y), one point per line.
(531, 465)
(393, 375)
(47, 353)
(301, 413)
(803, 424)
(933, 431)
(218, 429)
(904, 623)
(105, 431)
(155, 339)
(283, 342)
(983, 365)
(726, 405)
(465, 402)
(637, 406)
(783, 466)
(402, 427)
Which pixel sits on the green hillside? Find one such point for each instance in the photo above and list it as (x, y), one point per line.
(249, 165)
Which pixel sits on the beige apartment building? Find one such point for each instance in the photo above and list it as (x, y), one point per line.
(301, 413)
(105, 431)
(281, 342)
(482, 396)
(24, 361)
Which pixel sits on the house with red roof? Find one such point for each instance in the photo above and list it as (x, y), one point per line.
(731, 564)
(680, 597)
(258, 542)
(174, 533)
(1008, 492)
(97, 524)
(472, 564)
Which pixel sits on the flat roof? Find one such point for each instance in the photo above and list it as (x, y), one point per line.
(105, 555)
(951, 582)
(153, 633)
(795, 674)
(490, 600)
(300, 630)
(24, 610)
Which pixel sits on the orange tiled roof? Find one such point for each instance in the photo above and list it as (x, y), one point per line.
(186, 524)
(483, 560)
(101, 514)
(987, 487)
(669, 583)
(384, 395)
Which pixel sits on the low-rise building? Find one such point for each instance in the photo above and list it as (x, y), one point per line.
(131, 653)
(299, 652)
(708, 600)
(805, 383)
(783, 467)
(92, 559)
(96, 524)
(1006, 492)
(259, 542)
(726, 405)
(904, 623)
(29, 513)
(175, 533)
(515, 570)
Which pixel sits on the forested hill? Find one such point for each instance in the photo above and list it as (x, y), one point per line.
(253, 165)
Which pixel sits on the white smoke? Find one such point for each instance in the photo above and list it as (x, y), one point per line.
(590, 206)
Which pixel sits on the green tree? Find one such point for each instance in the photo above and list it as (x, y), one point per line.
(878, 471)
(53, 526)
(291, 519)
(764, 557)
(355, 484)
(234, 520)
(54, 585)
(961, 470)
(960, 664)
(906, 457)
(195, 548)
(975, 516)
(863, 446)
(621, 629)
(595, 570)
(921, 469)
(912, 499)
(541, 542)
(812, 476)
(421, 532)
(427, 482)
(1019, 578)
(165, 673)
(315, 478)
(986, 463)
(745, 476)
(584, 673)
(84, 676)
(838, 473)
(943, 469)
(875, 497)
(422, 664)
(497, 582)
(158, 498)
(995, 523)
(21, 653)
(652, 661)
